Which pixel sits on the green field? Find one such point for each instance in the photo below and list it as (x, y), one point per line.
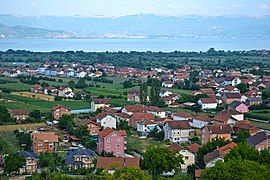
(261, 125)
(9, 142)
(14, 84)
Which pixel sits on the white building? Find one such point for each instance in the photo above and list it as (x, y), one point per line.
(106, 120)
(208, 103)
(177, 131)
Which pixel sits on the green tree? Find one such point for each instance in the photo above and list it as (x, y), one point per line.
(236, 169)
(13, 163)
(143, 93)
(159, 158)
(154, 92)
(242, 136)
(4, 115)
(81, 131)
(89, 143)
(35, 114)
(50, 161)
(71, 84)
(78, 97)
(65, 122)
(25, 140)
(242, 87)
(129, 173)
(81, 83)
(156, 134)
(127, 84)
(58, 98)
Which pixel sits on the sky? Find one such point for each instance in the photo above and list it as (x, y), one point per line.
(116, 8)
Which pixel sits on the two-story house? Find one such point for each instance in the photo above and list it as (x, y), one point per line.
(227, 98)
(31, 162)
(136, 117)
(99, 103)
(106, 120)
(59, 110)
(181, 116)
(133, 95)
(158, 112)
(19, 114)
(79, 158)
(112, 141)
(259, 141)
(208, 103)
(177, 131)
(45, 142)
(212, 131)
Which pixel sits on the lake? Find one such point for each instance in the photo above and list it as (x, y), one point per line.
(166, 45)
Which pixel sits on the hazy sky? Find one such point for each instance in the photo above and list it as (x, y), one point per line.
(125, 7)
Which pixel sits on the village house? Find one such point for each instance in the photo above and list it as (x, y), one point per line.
(137, 108)
(224, 119)
(259, 141)
(106, 120)
(200, 121)
(45, 142)
(194, 148)
(179, 116)
(164, 93)
(99, 103)
(227, 98)
(254, 94)
(63, 90)
(93, 127)
(37, 89)
(177, 131)
(136, 117)
(59, 110)
(238, 116)
(19, 115)
(239, 106)
(156, 111)
(167, 84)
(111, 141)
(122, 117)
(188, 157)
(79, 158)
(254, 101)
(211, 158)
(231, 81)
(245, 125)
(133, 95)
(108, 163)
(212, 131)
(145, 126)
(207, 91)
(208, 103)
(31, 162)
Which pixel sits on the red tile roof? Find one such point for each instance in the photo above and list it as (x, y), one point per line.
(107, 162)
(175, 147)
(59, 106)
(45, 136)
(182, 114)
(219, 129)
(107, 131)
(208, 100)
(141, 116)
(17, 112)
(179, 124)
(194, 147)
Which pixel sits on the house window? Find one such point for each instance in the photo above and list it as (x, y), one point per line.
(186, 157)
(118, 145)
(51, 145)
(108, 146)
(109, 140)
(117, 152)
(119, 139)
(114, 134)
(28, 167)
(39, 144)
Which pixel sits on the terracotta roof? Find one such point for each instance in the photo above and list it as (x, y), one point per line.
(219, 152)
(179, 124)
(154, 109)
(175, 147)
(59, 106)
(109, 110)
(222, 118)
(208, 100)
(101, 101)
(45, 136)
(198, 173)
(141, 116)
(146, 122)
(136, 108)
(207, 91)
(106, 162)
(202, 118)
(182, 114)
(219, 129)
(168, 82)
(107, 131)
(246, 125)
(102, 115)
(17, 112)
(194, 147)
(122, 115)
(230, 112)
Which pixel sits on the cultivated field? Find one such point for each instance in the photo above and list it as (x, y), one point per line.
(35, 95)
(11, 128)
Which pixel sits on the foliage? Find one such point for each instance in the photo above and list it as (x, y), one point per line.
(81, 84)
(209, 147)
(122, 125)
(66, 123)
(236, 169)
(159, 159)
(127, 84)
(87, 142)
(81, 131)
(71, 84)
(106, 154)
(242, 136)
(35, 114)
(50, 161)
(4, 115)
(242, 87)
(58, 98)
(154, 91)
(25, 140)
(13, 163)
(156, 134)
(190, 98)
(51, 176)
(143, 93)
(129, 173)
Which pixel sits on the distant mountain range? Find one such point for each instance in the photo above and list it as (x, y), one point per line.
(134, 26)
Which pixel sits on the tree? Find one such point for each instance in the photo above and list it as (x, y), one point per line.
(58, 98)
(242, 87)
(154, 92)
(35, 114)
(81, 131)
(87, 142)
(78, 96)
(4, 115)
(236, 169)
(242, 136)
(50, 161)
(127, 84)
(71, 84)
(159, 159)
(143, 93)
(81, 83)
(156, 134)
(13, 163)
(25, 140)
(122, 125)
(65, 122)
(129, 173)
